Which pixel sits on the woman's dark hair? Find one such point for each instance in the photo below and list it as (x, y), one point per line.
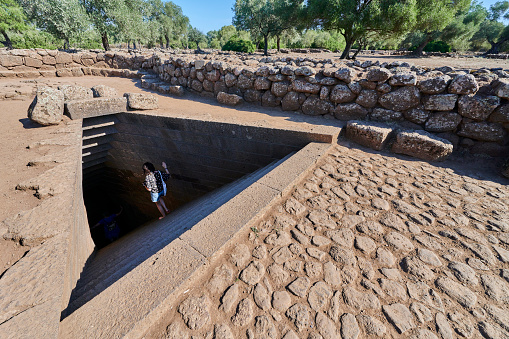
(150, 166)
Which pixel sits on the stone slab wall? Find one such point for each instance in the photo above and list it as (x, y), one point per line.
(201, 156)
(468, 107)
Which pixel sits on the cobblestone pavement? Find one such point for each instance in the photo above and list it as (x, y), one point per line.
(366, 246)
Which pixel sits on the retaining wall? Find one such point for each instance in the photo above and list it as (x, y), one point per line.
(470, 108)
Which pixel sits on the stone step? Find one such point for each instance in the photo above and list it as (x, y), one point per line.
(101, 121)
(95, 149)
(98, 167)
(94, 142)
(99, 132)
(93, 163)
(166, 272)
(111, 263)
(94, 156)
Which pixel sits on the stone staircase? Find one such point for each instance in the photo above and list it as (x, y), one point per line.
(115, 260)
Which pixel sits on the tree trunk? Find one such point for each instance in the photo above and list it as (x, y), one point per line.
(348, 47)
(106, 44)
(357, 51)
(7, 43)
(278, 41)
(495, 46)
(167, 41)
(66, 43)
(420, 48)
(265, 48)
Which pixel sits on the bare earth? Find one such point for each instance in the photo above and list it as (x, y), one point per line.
(370, 244)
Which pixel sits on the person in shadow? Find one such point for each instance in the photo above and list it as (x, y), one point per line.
(155, 184)
(110, 225)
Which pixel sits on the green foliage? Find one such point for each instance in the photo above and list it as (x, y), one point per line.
(318, 39)
(11, 19)
(437, 46)
(356, 19)
(65, 19)
(239, 45)
(33, 38)
(493, 31)
(196, 36)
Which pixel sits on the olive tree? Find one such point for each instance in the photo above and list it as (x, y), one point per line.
(492, 30)
(12, 19)
(362, 19)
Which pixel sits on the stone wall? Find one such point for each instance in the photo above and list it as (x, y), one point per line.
(201, 155)
(470, 108)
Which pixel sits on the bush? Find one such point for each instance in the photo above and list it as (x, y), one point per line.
(239, 45)
(437, 46)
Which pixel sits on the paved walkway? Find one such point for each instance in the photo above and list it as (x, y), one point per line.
(369, 245)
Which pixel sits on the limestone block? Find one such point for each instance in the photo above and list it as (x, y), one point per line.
(502, 88)
(228, 99)
(341, 94)
(47, 107)
(345, 74)
(378, 74)
(440, 102)
(401, 99)
(483, 131)
(102, 91)
(290, 101)
(314, 106)
(385, 115)
(416, 115)
(443, 122)
(305, 71)
(350, 111)
(464, 84)
(177, 90)
(141, 101)
(49, 60)
(80, 109)
(476, 107)
(369, 134)
(31, 62)
(403, 79)
(63, 58)
(501, 114)
(434, 85)
(303, 86)
(64, 72)
(10, 60)
(422, 145)
(74, 92)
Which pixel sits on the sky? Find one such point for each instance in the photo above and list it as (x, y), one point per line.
(209, 15)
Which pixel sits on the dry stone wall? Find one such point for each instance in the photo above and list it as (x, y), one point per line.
(469, 108)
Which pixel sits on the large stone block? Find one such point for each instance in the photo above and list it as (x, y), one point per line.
(401, 99)
(372, 135)
(477, 108)
(102, 91)
(483, 131)
(341, 94)
(443, 122)
(403, 79)
(385, 115)
(350, 111)
(464, 84)
(47, 107)
(501, 114)
(422, 145)
(228, 99)
(502, 88)
(80, 109)
(74, 92)
(314, 106)
(378, 74)
(434, 85)
(303, 86)
(10, 60)
(290, 101)
(141, 101)
(440, 102)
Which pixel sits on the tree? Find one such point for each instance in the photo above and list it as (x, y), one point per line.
(264, 17)
(492, 30)
(113, 17)
(196, 36)
(64, 19)
(356, 19)
(461, 30)
(11, 19)
(434, 15)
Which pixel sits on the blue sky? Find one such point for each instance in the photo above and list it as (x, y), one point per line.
(208, 15)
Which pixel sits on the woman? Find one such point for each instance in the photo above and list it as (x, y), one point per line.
(154, 183)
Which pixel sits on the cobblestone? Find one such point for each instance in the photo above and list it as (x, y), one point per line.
(368, 246)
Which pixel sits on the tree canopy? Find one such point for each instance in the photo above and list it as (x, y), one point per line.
(12, 19)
